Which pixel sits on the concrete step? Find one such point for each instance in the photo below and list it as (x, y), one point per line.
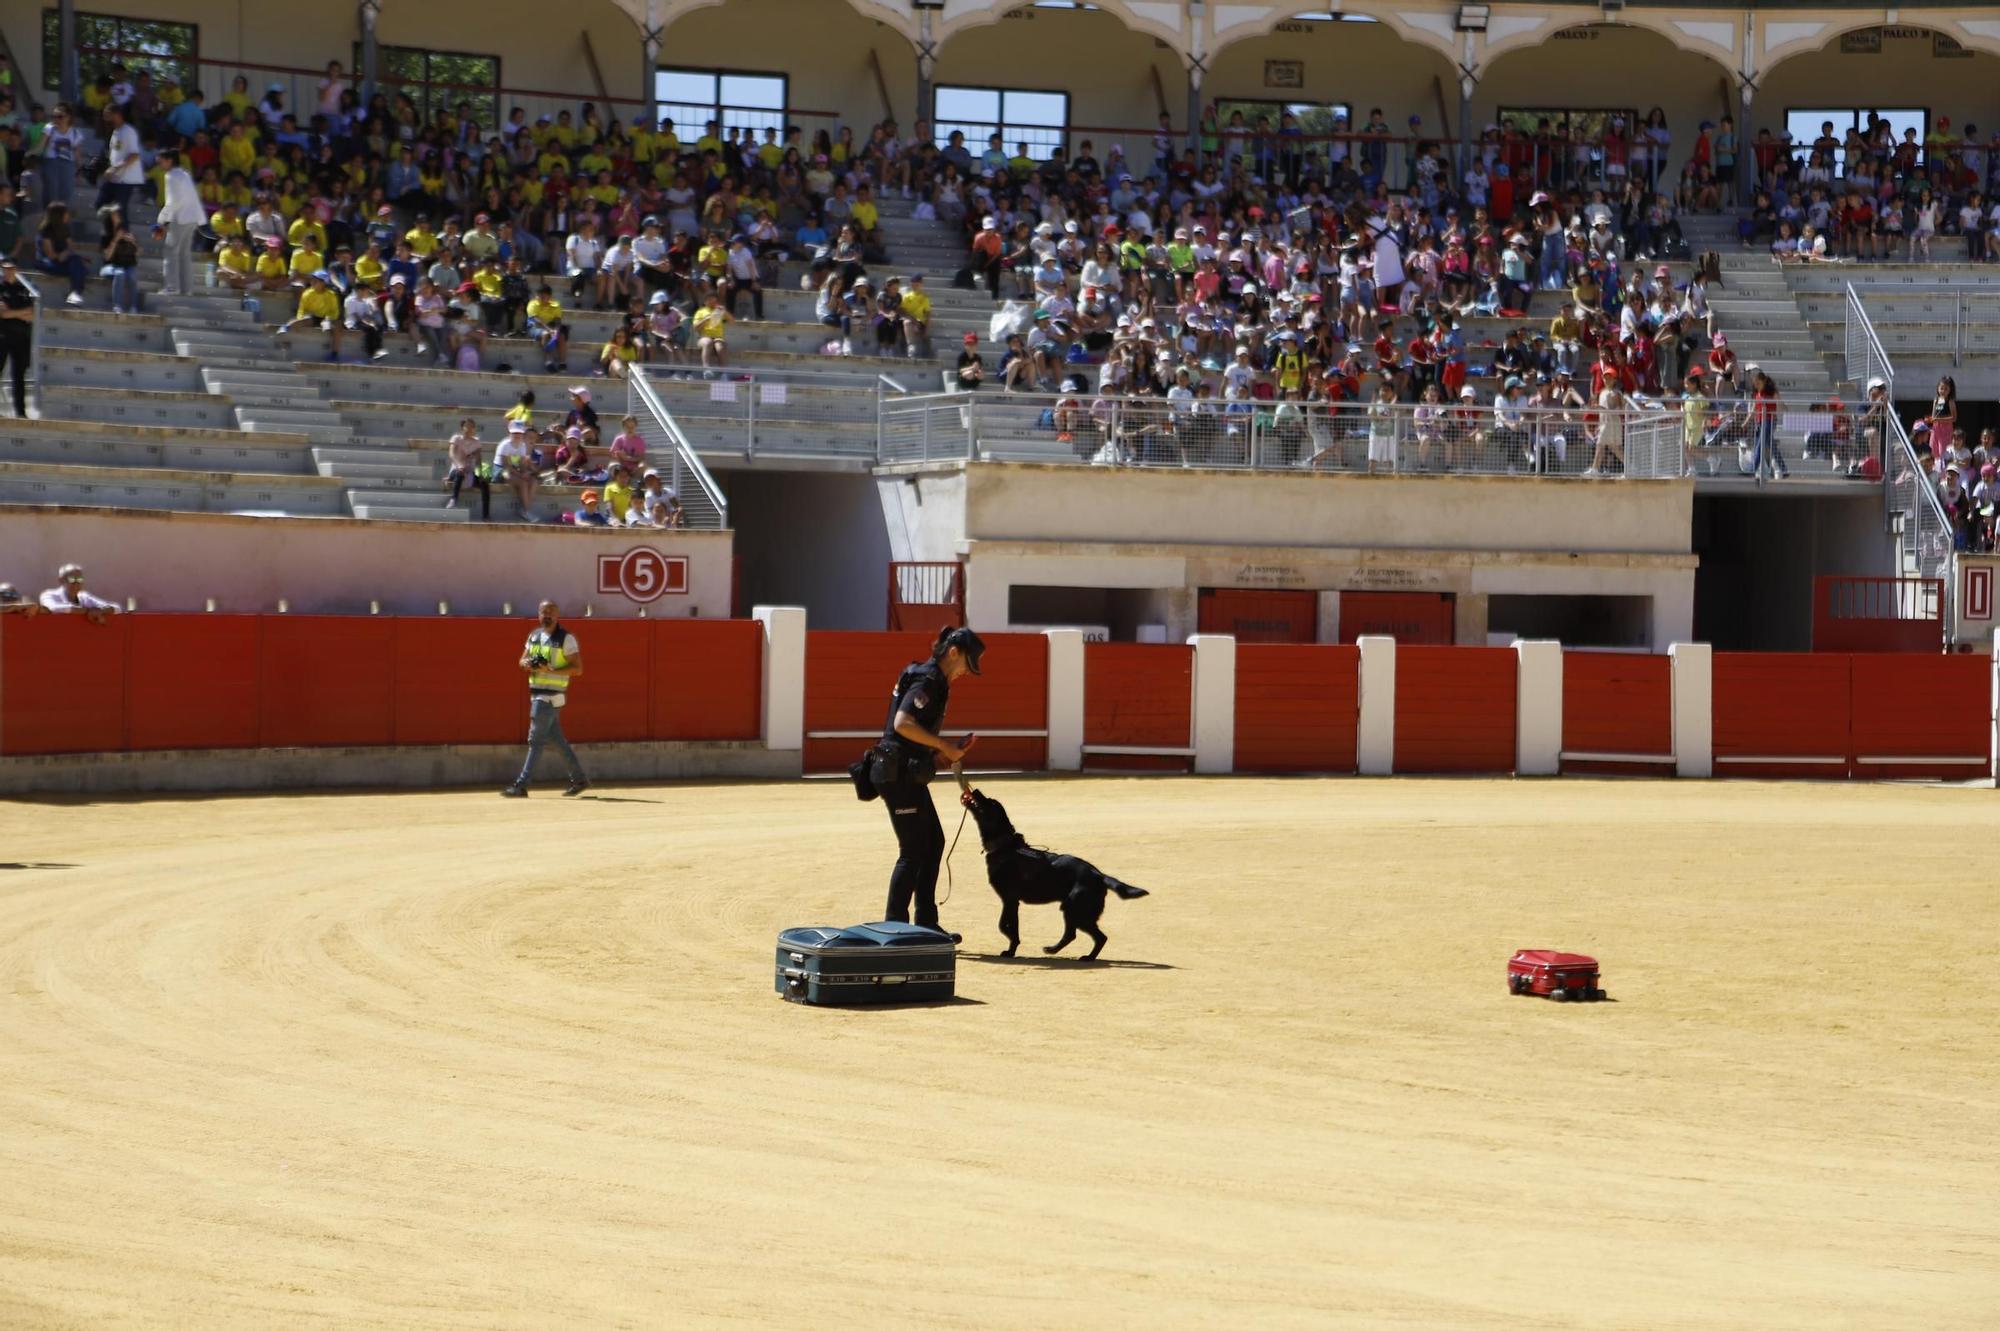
(417, 514)
(208, 348)
(272, 378)
(386, 461)
(428, 497)
(314, 428)
(217, 309)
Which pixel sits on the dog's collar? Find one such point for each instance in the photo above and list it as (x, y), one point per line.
(1015, 841)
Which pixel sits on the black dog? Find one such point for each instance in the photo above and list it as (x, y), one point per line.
(1022, 874)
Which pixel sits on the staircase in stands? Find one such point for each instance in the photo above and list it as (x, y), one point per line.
(1757, 312)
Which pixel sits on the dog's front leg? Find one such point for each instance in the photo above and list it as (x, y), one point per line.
(1010, 925)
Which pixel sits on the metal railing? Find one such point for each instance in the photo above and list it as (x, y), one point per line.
(1924, 536)
(491, 104)
(37, 334)
(1974, 312)
(1278, 436)
(771, 413)
(705, 503)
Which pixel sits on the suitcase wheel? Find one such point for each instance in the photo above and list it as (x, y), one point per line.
(1560, 995)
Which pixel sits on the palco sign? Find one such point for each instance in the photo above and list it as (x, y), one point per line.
(643, 575)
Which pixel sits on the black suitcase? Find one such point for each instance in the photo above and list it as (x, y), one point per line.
(869, 963)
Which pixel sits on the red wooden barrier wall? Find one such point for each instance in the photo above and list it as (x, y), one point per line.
(1455, 709)
(849, 676)
(272, 681)
(1781, 705)
(1618, 703)
(1297, 708)
(1921, 707)
(1138, 695)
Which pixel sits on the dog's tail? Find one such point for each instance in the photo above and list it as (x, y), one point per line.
(1125, 891)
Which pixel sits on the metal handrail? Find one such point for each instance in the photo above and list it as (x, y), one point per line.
(1932, 555)
(1269, 435)
(1857, 314)
(684, 454)
(36, 332)
(1961, 296)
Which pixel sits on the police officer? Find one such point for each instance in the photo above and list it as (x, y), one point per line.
(17, 331)
(904, 761)
(551, 660)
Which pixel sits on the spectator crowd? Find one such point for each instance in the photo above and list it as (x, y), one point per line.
(1871, 194)
(1312, 273)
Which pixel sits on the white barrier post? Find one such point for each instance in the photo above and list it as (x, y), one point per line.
(1538, 708)
(1693, 665)
(1065, 699)
(1994, 756)
(1213, 725)
(784, 675)
(1375, 737)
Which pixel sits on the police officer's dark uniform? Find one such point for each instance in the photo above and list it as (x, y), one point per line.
(901, 771)
(17, 333)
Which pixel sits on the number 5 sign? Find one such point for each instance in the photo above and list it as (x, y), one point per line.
(643, 575)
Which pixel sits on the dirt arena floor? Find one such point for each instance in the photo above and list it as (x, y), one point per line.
(414, 1061)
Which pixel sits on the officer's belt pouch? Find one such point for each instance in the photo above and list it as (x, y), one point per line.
(890, 764)
(857, 772)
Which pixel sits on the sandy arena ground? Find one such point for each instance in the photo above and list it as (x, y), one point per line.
(439, 1061)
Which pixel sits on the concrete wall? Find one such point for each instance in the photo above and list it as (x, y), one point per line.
(812, 539)
(1361, 64)
(1175, 574)
(1107, 69)
(176, 561)
(421, 768)
(910, 507)
(827, 56)
(1024, 502)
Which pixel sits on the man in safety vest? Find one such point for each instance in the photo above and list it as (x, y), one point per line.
(551, 660)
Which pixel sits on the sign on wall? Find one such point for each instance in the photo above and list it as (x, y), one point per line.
(1284, 73)
(1869, 41)
(1976, 592)
(643, 575)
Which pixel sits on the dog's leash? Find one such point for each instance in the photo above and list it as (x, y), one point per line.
(965, 810)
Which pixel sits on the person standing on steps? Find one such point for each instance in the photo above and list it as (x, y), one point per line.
(901, 766)
(180, 215)
(551, 660)
(17, 332)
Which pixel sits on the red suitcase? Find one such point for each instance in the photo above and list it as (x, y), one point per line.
(1563, 976)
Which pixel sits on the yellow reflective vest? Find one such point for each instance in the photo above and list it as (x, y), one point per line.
(546, 650)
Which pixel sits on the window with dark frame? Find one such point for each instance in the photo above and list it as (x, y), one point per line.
(1589, 123)
(440, 80)
(1035, 117)
(1803, 123)
(1314, 119)
(734, 99)
(166, 50)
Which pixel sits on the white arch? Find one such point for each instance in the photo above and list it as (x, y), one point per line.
(1793, 40)
(1433, 31)
(1142, 16)
(666, 12)
(1700, 36)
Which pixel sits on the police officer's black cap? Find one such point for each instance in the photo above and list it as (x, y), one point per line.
(968, 644)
